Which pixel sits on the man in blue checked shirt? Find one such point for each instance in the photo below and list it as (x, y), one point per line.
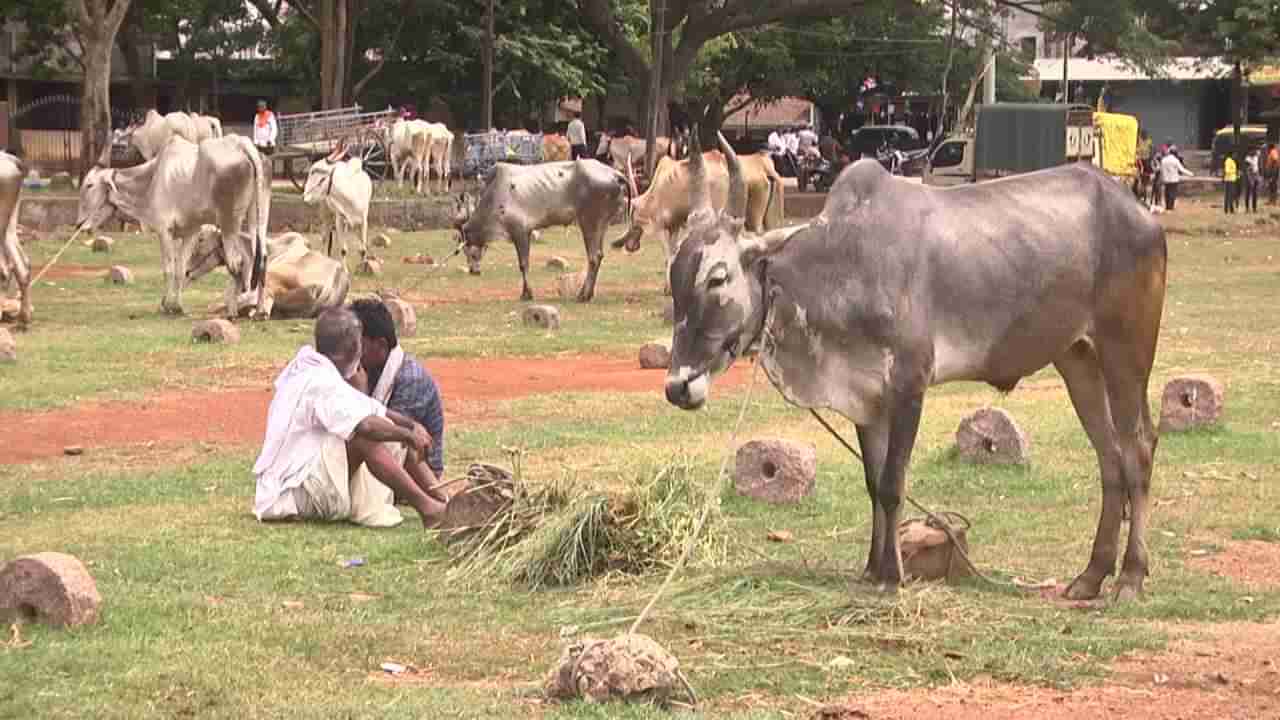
(396, 379)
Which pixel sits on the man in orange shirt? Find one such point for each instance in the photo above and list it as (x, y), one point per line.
(1272, 172)
(265, 129)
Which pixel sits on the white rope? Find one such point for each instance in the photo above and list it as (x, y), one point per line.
(706, 507)
(57, 255)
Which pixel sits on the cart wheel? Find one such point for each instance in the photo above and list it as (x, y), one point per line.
(375, 155)
(297, 168)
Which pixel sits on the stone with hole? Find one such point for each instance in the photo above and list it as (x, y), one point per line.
(381, 240)
(483, 492)
(371, 266)
(8, 347)
(669, 313)
(542, 316)
(9, 308)
(216, 331)
(928, 552)
(655, 354)
(569, 285)
(557, 263)
(990, 436)
(404, 316)
(628, 668)
(119, 275)
(49, 587)
(775, 470)
(102, 244)
(1191, 401)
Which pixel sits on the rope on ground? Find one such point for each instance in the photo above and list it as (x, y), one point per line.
(57, 255)
(706, 507)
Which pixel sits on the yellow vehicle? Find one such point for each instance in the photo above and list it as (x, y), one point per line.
(1116, 143)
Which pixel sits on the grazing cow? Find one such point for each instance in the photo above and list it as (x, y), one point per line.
(619, 149)
(410, 145)
(520, 199)
(219, 180)
(13, 258)
(300, 283)
(661, 211)
(149, 138)
(896, 287)
(555, 148)
(439, 154)
(344, 189)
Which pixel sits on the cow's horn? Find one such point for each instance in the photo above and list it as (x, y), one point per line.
(737, 203)
(697, 175)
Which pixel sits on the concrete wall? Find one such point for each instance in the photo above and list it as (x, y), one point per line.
(47, 213)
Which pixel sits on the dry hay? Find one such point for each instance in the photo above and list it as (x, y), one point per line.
(630, 667)
(562, 533)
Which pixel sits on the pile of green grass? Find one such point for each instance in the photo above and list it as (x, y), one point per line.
(563, 533)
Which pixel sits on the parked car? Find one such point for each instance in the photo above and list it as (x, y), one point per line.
(868, 140)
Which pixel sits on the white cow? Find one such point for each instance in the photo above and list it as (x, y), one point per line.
(301, 283)
(344, 189)
(410, 145)
(13, 259)
(155, 131)
(439, 154)
(220, 181)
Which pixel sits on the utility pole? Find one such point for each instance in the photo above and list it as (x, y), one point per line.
(488, 68)
(1066, 57)
(989, 80)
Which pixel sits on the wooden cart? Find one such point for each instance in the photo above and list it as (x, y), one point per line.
(307, 137)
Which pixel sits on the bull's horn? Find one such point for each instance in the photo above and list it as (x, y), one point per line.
(737, 202)
(699, 200)
(631, 178)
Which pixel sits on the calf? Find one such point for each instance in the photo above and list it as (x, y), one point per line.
(343, 189)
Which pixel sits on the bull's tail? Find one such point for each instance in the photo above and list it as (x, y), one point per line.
(261, 212)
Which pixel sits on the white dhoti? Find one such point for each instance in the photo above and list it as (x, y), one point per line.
(327, 493)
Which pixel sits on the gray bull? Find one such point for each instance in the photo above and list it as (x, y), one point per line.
(896, 287)
(521, 199)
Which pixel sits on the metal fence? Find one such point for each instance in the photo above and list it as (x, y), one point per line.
(483, 150)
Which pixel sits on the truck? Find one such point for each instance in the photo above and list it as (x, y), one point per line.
(1012, 138)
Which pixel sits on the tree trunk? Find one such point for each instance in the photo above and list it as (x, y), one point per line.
(487, 90)
(1239, 110)
(131, 43)
(328, 52)
(340, 52)
(95, 105)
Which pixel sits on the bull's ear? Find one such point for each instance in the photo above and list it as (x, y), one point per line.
(753, 246)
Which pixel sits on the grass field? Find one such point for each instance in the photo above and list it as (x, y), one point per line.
(209, 614)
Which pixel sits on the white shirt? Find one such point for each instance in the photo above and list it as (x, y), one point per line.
(807, 138)
(793, 142)
(577, 132)
(312, 403)
(1171, 169)
(775, 143)
(265, 134)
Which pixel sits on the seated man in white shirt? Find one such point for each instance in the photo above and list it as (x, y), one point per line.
(322, 429)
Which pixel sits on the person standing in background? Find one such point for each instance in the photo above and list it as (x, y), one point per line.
(1171, 173)
(577, 136)
(1230, 178)
(265, 129)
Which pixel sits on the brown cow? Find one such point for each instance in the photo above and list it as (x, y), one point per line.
(660, 213)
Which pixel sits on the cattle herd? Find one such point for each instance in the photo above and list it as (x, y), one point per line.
(893, 288)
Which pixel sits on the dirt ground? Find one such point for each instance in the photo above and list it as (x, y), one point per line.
(1216, 671)
(238, 416)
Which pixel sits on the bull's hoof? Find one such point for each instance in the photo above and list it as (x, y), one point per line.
(1084, 587)
(526, 296)
(174, 310)
(585, 297)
